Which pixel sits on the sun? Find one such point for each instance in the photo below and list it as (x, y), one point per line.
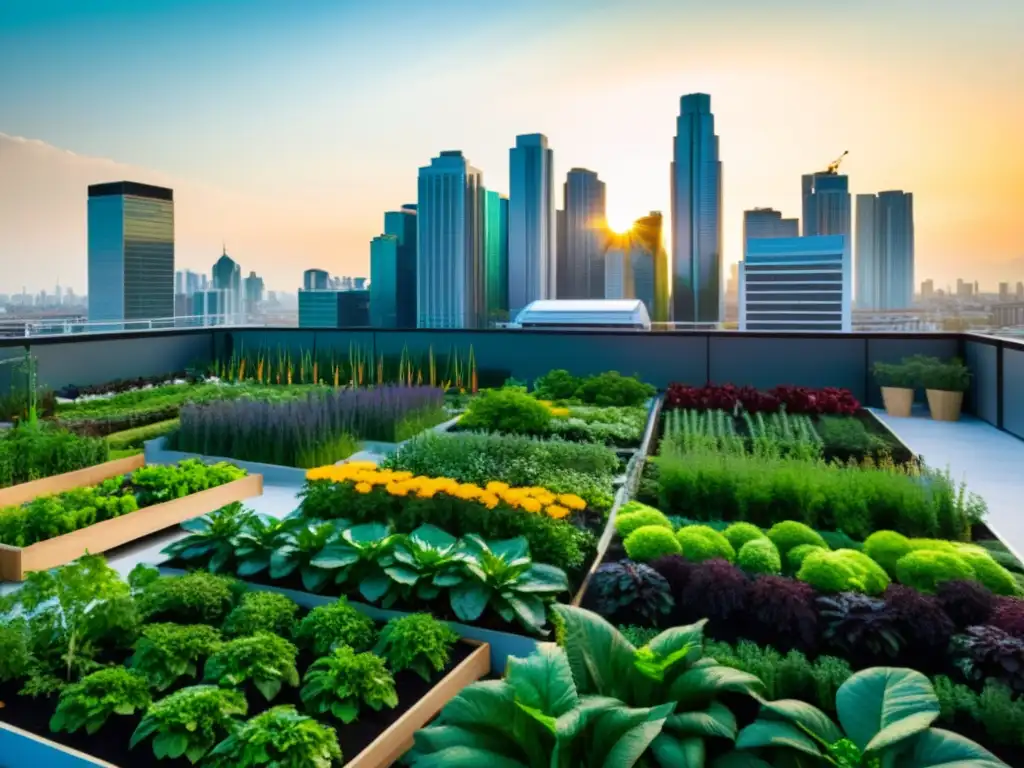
(619, 224)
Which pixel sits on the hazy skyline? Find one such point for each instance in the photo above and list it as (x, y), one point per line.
(287, 130)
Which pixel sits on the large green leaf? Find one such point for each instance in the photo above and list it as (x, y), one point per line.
(698, 686)
(489, 704)
(402, 574)
(465, 757)
(469, 600)
(529, 609)
(432, 536)
(882, 706)
(717, 720)
(600, 657)
(804, 715)
(575, 720)
(543, 578)
(739, 759)
(936, 748)
(672, 752)
(543, 684)
(439, 738)
(622, 735)
(775, 734)
(511, 550)
(367, 533)
(335, 556)
(677, 638)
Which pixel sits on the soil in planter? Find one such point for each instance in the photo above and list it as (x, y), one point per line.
(111, 742)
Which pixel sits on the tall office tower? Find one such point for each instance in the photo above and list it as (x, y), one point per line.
(618, 269)
(795, 284)
(451, 269)
(885, 251)
(647, 232)
(531, 222)
(928, 289)
(315, 280)
(384, 281)
(767, 222)
(131, 251)
(496, 253)
(586, 236)
(561, 253)
(402, 225)
(826, 204)
(252, 289)
(331, 308)
(977, 290)
(696, 214)
(210, 307)
(227, 277)
(179, 282)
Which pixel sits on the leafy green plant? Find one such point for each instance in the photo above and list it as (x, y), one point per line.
(886, 548)
(29, 452)
(258, 540)
(796, 556)
(903, 375)
(358, 557)
(507, 411)
(190, 721)
(738, 534)
(197, 597)
(266, 660)
(989, 652)
(167, 652)
(91, 701)
(649, 542)
(422, 564)
(855, 623)
(926, 569)
(501, 575)
(843, 570)
(14, 649)
(789, 533)
(301, 545)
(262, 612)
(613, 389)
(631, 589)
(328, 626)
(952, 376)
(627, 521)
(700, 543)
(278, 737)
(759, 556)
(557, 384)
(418, 642)
(212, 538)
(340, 684)
(157, 483)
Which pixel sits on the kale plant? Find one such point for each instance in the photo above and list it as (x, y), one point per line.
(190, 721)
(279, 737)
(166, 652)
(340, 684)
(327, 626)
(988, 652)
(89, 702)
(195, 598)
(855, 623)
(268, 661)
(418, 642)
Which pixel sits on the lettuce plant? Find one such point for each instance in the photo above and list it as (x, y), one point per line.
(212, 538)
(327, 626)
(266, 660)
(190, 721)
(166, 652)
(278, 737)
(340, 684)
(262, 612)
(357, 558)
(89, 702)
(418, 642)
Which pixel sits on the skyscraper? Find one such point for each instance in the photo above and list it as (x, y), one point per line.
(227, 277)
(767, 222)
(531, 227)
(586, 235)
(451, 269)
(496, 253)
(402, 224)
(315, 280)
(696, 214)
(885, 251)
(647, 231)
(384, 281)
(826, 204)
(252, 287)
(131, 251)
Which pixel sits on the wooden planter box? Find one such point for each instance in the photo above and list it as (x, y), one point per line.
(20, 749)
(48, 486)
(15, 562)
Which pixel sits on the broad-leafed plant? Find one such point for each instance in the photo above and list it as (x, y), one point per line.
(257, 542)
(885, 717)
(91, 701)
(342, 683)
(300, 545)
(328, 626)
(265, 660)
(212, 538)
(423, 564)
(190, 721)
(418, 642)
(279, 737)
(501, 575)
(167, 652)
(358, 557)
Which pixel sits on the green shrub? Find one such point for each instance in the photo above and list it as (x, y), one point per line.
(843, 570)
(328, 626)
(796, 556)
(625, 524)
(842, 433)
(341, 683)
(759, 556)
(508, 411)
(933, 545)
(262, 612)
(134, 438)
(886, 548)
(557, 384)
(926, 569)
(281, 736)
(739, 534)
(29, 452)
(91, 701)
(197, 597)
(789, 533)
(14, 651)
(990, 573)
(700, 543)
(268, 661)
(612, 389)
(418, 642)
(651, 542)
(166, 652)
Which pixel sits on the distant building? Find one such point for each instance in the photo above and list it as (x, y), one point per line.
(227, 277)
(636, 267)
(581, 314)
(618, 270)
(584, 238)
(334, 309)
(384, 281)
(826, 204)
(496, 252)
(315, 280)
(131, 252)
(1008, 315)
(532, 263)
(401, 224)
(561, 255)
(964, 289)
(795, 284)
(1004, 291)
(767, 222)
(252, 288)
(451, 268)
(1020, 291)
(928, 289)
(210, 307)
(885, 251)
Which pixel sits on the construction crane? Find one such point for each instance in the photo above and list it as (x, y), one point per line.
(833, 167)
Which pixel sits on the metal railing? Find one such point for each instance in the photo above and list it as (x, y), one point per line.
(32, 327)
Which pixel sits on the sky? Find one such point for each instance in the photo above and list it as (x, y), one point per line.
(287, 129)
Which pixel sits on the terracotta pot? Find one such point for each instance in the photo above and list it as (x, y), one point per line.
(897, 400)
(945, 405)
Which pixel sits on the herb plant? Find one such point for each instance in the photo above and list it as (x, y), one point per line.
(340, 684)
(262, 612)
(988, 652)
(14, 649)
(328, 626)
(418, 642)
(300, 546)
(266, 660)
(189, 722)
(167, 652)
(626, 589)
(278, 737)
(91, 701)
(197, 597)
(212, 538)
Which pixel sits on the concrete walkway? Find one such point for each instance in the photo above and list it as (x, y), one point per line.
(989, 460)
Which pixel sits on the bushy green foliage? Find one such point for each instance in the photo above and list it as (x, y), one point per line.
(268, 661)
(627, 522)
(508, 411)
(926, 569)
(796, 556)
(29, 452)
(47, 517)
(328, 626)
(886, 548)
(262, 612)
(609, 426)
(278, 737)
(650, 542)
(700, 542)
(789, 533)
(990, 573)
(557, 384)
(166, 652)
(190, 721)
(340, 684)
(759, 556)
(137, 436)
(91, 701)
(843, 570)
(614, 389)
(14, 650)
(197, 597)
(418, 642)
(740, 533)
(161, 482)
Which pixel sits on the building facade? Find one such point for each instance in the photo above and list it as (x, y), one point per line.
(585, 236)
(315, 280)
(648, 232)
(826, 204)
(334, 309)
(402, 225)
(885, 251)
(384, 281)
(696, 175)
(252, 289)
(210, 307)
(131, 251)
(496, 250)
(767, 222)
(796, 284)
(451, 269)
(532, 265)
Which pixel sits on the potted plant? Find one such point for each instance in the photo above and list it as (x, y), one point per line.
(897, 381)
(945, 384)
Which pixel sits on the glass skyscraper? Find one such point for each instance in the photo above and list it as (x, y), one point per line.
(585, 237)
(496, 232)
(402, 225)
(532, 263)
(384, 281)
(131, 251)
(696, 214)
(885, 251)
(315, 280)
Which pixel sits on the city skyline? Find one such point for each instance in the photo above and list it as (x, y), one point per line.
(279, 179)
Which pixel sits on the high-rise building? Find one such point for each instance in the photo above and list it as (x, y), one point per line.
(885, 251)
(928, 289)
(636, 266)
(696, 214)
(210, 307)
(531, 222)
(384, 281)
(402, 225)
(586, 237)
(1004, 291)
(227, 277)
(826, 204)
(331, 308)
(315, 280)
(767, 222)
(252, 289)
(795, 284)
(131, 251)
(1020, 291)
(451, 269)
(561, 254)
(496, 252)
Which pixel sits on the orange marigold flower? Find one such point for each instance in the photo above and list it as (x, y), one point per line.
(397, 489)
(556, 511)
(530, 505)
(489, 500)
(572, 501)
(364, 487)
(495, 487)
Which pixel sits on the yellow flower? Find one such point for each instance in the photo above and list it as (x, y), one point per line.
(401, 475)
(489, 500)
(495, 487)
(426, 492)
(572, 501)
(530, 505)
(559, 412)
(397, 489)
(545, 498)
(360, 465)
(556, 511)
(364, 487)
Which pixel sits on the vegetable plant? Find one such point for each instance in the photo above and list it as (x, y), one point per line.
(327, 626)
(14, 649)
(197, 597)
(212, 538)
(189, 722)
(167, 652)
(278, 737)
(265, 660)
(262, 612)
(340, 684)
(358, 557)
(628, 589)
(422, 564)
(855, 623)
(418, 642)
(989, 652)
(91, 701)
(300, 546)
(258, 540)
